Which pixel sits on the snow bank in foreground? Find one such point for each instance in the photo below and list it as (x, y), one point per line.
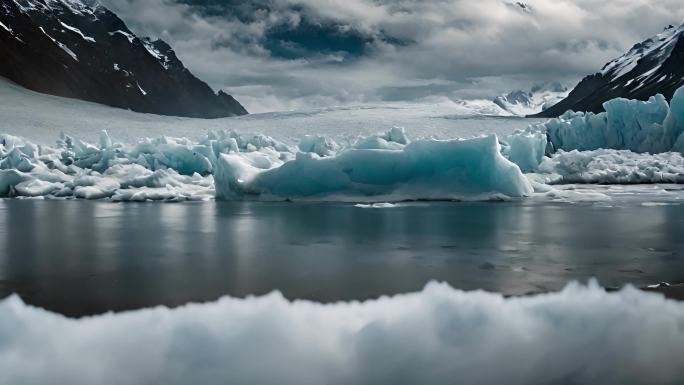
(581, 335)
(424, 169)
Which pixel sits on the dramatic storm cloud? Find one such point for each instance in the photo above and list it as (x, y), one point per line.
(280, 54)
(439, 336)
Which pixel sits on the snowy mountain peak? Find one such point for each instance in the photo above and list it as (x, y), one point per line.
(82, 50)
(537, 99)
(74, 6)
(653, 66)
(652, 52)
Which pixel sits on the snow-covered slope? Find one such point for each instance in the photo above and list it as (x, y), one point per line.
(655, 50)
(72, 49)
(515, 103)
(40, 118)
(653, 66)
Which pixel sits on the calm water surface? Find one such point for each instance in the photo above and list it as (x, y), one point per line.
(82, 257)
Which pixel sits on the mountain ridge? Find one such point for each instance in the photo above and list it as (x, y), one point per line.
(653, 66)
(72, 49)
(539, 98)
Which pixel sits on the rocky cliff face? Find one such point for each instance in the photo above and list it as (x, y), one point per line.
(69, 48)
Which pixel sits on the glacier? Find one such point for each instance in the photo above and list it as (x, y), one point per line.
(633, 142)
(633, 129)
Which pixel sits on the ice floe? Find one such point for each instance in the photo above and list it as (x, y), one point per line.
(423, 169)
(613, 167)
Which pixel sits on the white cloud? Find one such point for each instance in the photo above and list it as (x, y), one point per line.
(581, 335)
(458, 41)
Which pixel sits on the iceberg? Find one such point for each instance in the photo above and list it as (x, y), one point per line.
(673, 125)
(231, 166)
(423, 169)
(640, 127)
(525, 148)
(626, 125)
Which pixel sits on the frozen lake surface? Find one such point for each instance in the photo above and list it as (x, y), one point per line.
(84, 257)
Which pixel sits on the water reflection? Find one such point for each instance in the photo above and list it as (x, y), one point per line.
(80, 257)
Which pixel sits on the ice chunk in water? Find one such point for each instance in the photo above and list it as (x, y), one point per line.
(424, 169)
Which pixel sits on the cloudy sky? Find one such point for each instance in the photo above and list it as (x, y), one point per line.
(289, 54)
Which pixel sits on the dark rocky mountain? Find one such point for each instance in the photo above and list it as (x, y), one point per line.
(72, 49)
(654, 66)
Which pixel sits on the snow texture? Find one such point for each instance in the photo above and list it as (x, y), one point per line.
(581, 335)
(161, 169)
(40, 118)
(128, 36)
(161, 58)
(658, 48)
(78, 32)
(6, 28)
(60, 45)
(613, 167)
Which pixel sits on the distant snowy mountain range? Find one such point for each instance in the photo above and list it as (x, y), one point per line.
(656, 65)
(517, 103)
(69, 48)
(539, 98)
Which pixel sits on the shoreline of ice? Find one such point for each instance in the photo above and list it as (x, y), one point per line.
(381, 168)
(607, 148)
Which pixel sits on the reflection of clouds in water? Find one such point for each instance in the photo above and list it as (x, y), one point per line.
(440, 335)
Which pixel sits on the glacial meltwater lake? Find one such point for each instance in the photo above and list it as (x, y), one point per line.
(85, 257)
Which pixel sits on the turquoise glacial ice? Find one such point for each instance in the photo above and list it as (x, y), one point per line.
(423, 169)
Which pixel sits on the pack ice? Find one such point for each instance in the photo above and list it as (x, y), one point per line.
(259, 167)
(165, 168)
(632, 142)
